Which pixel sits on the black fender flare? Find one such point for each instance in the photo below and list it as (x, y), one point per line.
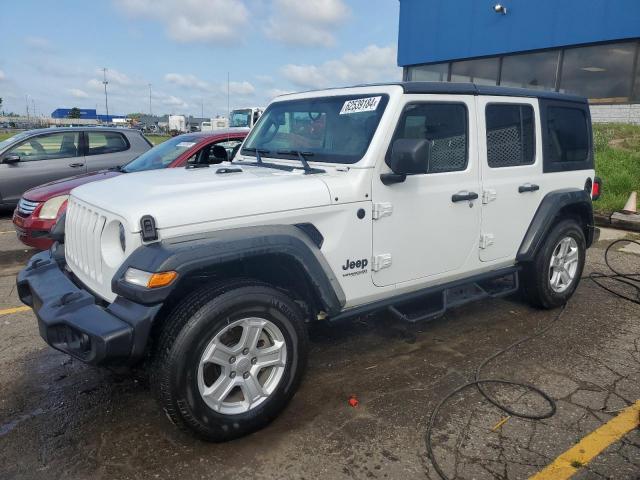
(548, 210)
(189, 254)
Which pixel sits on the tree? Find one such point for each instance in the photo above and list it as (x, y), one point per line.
(74, 113)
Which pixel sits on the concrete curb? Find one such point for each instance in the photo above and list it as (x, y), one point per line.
(618, 220)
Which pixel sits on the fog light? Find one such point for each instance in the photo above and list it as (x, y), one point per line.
(148, 279)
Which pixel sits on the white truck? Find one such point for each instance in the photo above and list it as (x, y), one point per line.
(177, 123)
(245, 117)
(409, 197)
(217, 123)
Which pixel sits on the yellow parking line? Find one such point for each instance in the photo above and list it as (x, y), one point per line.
(14, 310)
(590, 446)
(8, 231)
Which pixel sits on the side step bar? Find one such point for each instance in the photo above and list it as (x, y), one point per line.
(436, 304)
(432, 302)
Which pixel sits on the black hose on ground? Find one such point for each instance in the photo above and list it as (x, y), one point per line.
(632, 280)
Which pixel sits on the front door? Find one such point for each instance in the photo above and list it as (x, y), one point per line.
(511, 163)
(43, 159)
(427, 225)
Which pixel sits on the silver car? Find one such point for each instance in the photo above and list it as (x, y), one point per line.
(32, 158)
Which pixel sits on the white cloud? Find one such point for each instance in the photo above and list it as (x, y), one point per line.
(372, 64)
(240, 88)
(173, 101)
(193, 20)
(39, 43)
(189, 81)
(276, 92)
(114, 76)
(307, 23)
(77, 93)
(2, 75)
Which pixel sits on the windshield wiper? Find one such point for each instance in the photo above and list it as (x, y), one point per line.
(303, 160)
(258, 152)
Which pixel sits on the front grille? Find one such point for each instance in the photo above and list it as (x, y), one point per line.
(83, 229)
(26, 207)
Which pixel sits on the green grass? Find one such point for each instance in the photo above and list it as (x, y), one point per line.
(4, 136)
(617, 149)
(156, 139)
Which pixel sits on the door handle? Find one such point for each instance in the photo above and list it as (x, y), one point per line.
(528, 187)
(463, 196)
(76, 165)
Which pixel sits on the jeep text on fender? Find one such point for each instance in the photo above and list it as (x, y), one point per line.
(409, 197)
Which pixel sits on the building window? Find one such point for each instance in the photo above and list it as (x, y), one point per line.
(510, 137)
(438, 72)
(600, 72)
(568, 134)
(530, 70)
(483, 71)
(445, 126)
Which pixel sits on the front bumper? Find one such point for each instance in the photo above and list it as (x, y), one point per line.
(32, 231)
(72, 320)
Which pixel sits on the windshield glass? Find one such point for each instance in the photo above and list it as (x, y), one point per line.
(161, 155)
(332, 129)
(10, 140)
(240, 118)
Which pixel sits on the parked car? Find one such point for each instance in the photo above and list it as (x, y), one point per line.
(40, 207)
(410, 197)
(32, 158)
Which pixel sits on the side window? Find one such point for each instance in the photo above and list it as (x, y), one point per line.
(231, 146)
(568, 135)
(48, 147)
(445, 126)
(99, 143)
(510, 135)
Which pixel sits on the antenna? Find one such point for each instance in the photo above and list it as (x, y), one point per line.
(105, 83)
(228, 108)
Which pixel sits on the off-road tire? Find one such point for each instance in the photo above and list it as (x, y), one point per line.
(185, 334)
(536, 286)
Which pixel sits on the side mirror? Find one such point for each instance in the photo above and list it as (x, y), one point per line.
(409, 156)
(218, 154)
(10, 159)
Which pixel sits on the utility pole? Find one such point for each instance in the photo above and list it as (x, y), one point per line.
(150, 113)
(26, 102)
(104, 82)
(201, 108)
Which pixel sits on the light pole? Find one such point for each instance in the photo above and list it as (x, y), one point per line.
(26, 102)
(150, 113)
(104, 82)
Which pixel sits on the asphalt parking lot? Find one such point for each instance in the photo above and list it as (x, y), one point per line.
(62, 419)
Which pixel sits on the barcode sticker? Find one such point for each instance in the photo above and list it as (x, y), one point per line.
(358, 105)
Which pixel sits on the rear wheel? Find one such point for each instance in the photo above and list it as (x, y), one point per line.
(229, 359)
(554, 274)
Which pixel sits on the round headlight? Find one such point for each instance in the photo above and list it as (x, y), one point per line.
(123, 239)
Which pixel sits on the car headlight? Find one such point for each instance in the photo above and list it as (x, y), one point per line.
(51, 207)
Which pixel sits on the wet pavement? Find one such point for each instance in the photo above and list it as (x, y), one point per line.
(62, 419)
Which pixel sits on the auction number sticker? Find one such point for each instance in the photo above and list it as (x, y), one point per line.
(186, 144)
(358, 105)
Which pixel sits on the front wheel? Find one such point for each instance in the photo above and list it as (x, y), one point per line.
(229, 360)
(554, 274)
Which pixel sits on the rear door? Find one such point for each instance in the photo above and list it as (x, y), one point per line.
(43, 158)
(106, 149)
(511, 167)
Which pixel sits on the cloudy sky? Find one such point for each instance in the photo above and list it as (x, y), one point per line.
(54, 52)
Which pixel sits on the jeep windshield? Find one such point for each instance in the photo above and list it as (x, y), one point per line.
(161, 156)
(331, 129)
(240, 118)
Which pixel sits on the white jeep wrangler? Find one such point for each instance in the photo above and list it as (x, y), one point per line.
(410, 197)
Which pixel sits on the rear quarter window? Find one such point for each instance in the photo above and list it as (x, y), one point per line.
(567, 136)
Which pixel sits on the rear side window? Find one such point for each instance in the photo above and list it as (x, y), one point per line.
(445, 126)
(510, 135)
(568, 135)
(99, 143)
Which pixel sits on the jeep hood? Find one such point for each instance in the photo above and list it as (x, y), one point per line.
(180, 196)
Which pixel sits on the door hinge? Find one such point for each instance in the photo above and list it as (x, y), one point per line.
(486, 240)
(488, 195)
(381, 261)
(381, 210)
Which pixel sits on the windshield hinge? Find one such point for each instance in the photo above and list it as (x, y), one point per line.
(381, 210)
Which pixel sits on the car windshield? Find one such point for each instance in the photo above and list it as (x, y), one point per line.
(161, 156)
(13, 139)
(240, 118)
(331, 129)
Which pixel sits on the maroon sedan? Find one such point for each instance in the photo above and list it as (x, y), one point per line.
(40, 207)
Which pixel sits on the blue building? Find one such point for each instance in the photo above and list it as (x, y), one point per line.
(588, 47)
(86, 114)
